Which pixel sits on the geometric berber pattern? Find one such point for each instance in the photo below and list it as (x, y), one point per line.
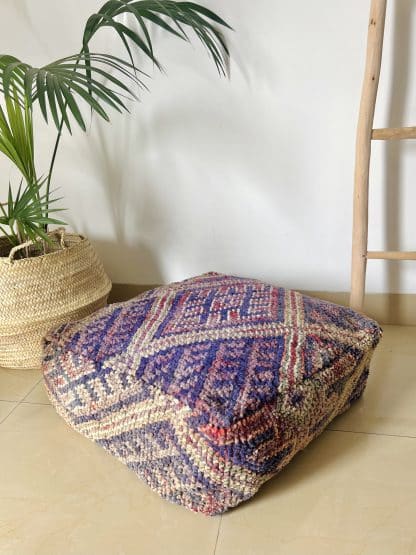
(208, 387)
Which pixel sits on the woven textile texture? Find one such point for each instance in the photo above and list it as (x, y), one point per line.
(208, 387)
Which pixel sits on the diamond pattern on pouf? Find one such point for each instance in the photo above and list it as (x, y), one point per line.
(206, 388)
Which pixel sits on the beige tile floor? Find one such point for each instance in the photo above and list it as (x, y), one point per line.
(352, 491)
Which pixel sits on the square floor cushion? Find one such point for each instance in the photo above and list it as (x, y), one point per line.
(208, 387)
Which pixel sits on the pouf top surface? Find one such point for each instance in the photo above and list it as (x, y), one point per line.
(222, 345)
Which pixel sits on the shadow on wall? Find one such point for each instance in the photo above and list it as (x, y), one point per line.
(228, 165)
(140, 162)
(25, 15)
(140, 259)
(127, 259)
(106, 158)
(399, 94)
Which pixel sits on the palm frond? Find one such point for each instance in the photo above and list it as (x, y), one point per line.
(23, 217)
(60, 86)
(174, 17)
(16, 135)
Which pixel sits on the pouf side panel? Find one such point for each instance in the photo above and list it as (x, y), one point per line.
(207, 469)
(152, 437)
(286, 428)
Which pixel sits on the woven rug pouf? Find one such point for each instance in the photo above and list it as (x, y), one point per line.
(208, 387)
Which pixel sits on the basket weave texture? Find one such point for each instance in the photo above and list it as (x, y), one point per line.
(42, 292)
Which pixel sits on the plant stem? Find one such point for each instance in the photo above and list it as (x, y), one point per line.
(22, 240)
(51, 168)
(55, 151)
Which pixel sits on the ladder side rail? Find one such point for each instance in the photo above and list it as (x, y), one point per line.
(363, 151)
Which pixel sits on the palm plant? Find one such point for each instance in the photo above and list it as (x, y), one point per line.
(97, 80)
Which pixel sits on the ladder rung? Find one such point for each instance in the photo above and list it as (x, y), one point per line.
(391, 255)
(391, 133)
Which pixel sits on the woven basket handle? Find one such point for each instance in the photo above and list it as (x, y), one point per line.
(60, 232)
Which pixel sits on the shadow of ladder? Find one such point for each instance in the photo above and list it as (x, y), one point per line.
(365, 135)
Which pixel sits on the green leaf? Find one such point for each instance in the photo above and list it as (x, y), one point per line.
(16, 135)
(24, 216)
(69, 98)
(40, 92)
(206, 12)
(50, 89)
(60, 86)
(61, 102)
(173, 17)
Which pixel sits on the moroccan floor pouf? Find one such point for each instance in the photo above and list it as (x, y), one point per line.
(208, 387)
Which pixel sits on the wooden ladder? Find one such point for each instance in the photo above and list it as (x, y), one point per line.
(365, 135)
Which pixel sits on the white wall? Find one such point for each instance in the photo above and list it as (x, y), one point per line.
(251, 176)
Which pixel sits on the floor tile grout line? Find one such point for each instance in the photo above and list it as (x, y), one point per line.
(25, 396)
(13, 409)
(218, 535)
(18, 403)
(36, 403)
(370, 433)
(30, 391)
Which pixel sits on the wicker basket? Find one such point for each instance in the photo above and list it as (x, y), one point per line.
(43, 291)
